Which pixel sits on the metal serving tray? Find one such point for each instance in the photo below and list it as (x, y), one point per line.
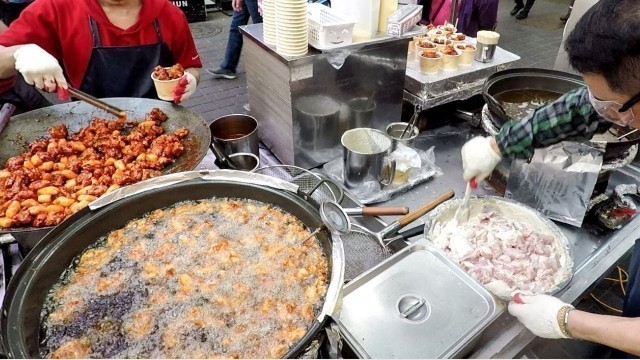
(417, 304)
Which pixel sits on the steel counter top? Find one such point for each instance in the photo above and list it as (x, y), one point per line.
(593, 255)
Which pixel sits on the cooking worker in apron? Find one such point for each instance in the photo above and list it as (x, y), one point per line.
(107, 48)
(605, 48)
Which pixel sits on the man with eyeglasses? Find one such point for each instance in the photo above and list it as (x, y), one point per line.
(605, 48)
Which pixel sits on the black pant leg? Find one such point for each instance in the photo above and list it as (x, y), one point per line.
(529, 4)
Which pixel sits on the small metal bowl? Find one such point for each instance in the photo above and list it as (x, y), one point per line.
(395, 130)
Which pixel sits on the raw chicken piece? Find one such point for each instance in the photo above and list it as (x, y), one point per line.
(503, 254)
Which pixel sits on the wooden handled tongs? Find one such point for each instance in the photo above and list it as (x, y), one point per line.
(64, 94)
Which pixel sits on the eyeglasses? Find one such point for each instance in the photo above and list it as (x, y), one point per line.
(619, 114)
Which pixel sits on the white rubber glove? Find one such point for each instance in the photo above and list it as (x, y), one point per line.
(184, 91)
(539, 314)
(478, 158)
(39, 68)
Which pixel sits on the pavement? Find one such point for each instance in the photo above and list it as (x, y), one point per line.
(535, 39)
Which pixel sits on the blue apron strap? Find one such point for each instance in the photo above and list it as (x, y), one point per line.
(632, 300)
(94, 33)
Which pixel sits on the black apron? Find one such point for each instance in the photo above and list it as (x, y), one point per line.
(631, 306)
(124, 71)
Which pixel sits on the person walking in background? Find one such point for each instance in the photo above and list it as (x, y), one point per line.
(521, 10)
(11, 9)
(242, 11)
(565, 17)
(426, 11)
(476, 15)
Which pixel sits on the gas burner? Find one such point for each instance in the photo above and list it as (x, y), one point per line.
(487, 123)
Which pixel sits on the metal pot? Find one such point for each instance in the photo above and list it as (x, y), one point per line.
(524, 79)
(33, 125)
(42, 268)
(447, 210)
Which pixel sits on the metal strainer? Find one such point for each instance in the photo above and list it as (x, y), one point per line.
(321, 190)
(365, 249)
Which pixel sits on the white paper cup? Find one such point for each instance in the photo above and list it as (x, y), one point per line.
(430, 65)
(450, 62)
(433, 34)
(445, 42)
(165, 88)
(419, 47)
(466, 59)
(458, 38)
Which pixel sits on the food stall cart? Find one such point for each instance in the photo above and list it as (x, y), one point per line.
(428, 91)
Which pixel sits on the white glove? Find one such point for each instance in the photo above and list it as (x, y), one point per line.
(184, 91)
(539, 314)
(39, 68)
(478, 158)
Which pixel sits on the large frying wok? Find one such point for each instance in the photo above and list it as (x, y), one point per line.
(43, 266)
(549, 80)
(25, 128)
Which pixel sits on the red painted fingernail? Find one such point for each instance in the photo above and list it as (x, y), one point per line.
(518, 299)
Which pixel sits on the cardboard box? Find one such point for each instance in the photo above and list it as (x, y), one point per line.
(403, 19)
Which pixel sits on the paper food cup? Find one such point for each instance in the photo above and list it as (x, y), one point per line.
(466, 58)
(450, 62)
(448, 28)
(165, 88)
(423, 45)
(435, 33)
(458, 38)
(429, 65)
(445, 42)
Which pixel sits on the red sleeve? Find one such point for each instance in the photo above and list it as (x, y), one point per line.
(183, 48)
(38, 25)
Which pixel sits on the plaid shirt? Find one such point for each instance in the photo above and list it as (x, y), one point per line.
(571, 117)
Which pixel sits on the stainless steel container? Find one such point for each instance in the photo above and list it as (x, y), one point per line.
(395, 131)
(484, 53)
(361, 113)
(421, 304)
(366, 157)
(319, 117)
(245, 161)
(236, 133)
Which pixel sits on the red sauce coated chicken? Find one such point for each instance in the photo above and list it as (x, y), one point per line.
(62, 174)
(171, 73)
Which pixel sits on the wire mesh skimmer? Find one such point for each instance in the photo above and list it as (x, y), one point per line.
(364, 249)
(307, 181)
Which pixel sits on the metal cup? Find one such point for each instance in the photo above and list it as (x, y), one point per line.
(359, 117)
(366, 157)
(245, 161)
(484, 53)
(395, 130)
(236, 133)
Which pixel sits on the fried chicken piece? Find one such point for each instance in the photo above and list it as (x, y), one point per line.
(58, 131)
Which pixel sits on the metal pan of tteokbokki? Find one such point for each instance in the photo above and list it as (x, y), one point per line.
(58, 179)
(504, 245)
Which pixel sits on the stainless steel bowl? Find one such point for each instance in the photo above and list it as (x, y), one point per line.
(446, 212)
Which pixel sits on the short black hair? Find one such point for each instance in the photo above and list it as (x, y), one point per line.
(606, 42)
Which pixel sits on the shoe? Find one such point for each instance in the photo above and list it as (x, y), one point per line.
(523, 14)
(565, 17)
(516, 9)
(222, 73)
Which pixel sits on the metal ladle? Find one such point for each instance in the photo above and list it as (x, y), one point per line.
(335, 219)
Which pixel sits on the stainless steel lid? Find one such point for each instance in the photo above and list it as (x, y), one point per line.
(417, 304)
